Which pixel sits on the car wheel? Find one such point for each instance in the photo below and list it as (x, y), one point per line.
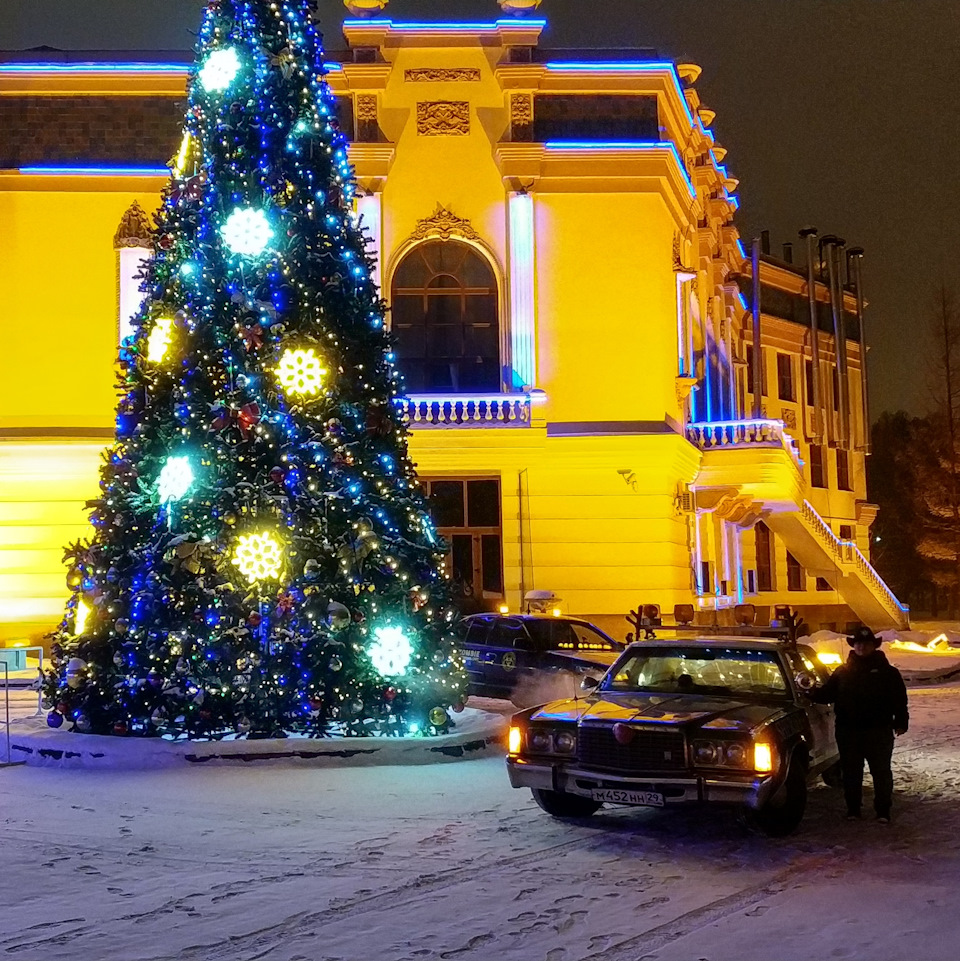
(561, 805)
(781, 815)
(833, 775)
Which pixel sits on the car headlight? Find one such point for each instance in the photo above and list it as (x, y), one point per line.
(718, 753)
(546, 740)
(762, 757)
(540, 741)
(565, 742)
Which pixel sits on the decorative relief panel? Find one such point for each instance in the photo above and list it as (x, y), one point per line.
(442, 118)
(789, 418)
(134, 230)
(442, 74)
(366, 107)
(521, 110)
(444, 223)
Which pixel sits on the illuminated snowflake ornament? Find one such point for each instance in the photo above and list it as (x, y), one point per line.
(219, 70)
(258, 556)
(300, 372)
(247, 232)
(159, 340)
(391, 652)
(175, 479)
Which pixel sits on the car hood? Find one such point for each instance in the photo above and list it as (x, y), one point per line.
(600, 658)
(671, 710)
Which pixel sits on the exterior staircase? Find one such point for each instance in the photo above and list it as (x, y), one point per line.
(775, 489)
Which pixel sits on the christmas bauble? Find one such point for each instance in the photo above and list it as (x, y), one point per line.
(438, 716)
(389, 693)
(54, 719)
(336, 664)
(83, 723)
(311, 569)
(278, 475)
(74, 578)
(120, 727)
(121, 625)
(230, 518)
(255, 619)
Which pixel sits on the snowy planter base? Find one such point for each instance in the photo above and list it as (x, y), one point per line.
(477, 734)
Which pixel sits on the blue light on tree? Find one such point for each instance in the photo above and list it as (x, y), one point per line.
(247, 232)
(175, 479)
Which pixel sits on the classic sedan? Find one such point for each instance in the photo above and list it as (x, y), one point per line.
(698, 721)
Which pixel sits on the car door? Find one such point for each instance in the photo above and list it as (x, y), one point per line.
(474, 649)
(820, 715)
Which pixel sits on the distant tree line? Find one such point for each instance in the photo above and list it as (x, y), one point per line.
(914, 478)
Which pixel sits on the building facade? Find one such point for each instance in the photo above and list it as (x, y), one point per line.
(572, 310)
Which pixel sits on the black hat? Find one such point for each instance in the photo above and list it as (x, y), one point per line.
(864, 634)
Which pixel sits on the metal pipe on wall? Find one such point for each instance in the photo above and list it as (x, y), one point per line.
(834, 247)
(854, 268)
(810, 234)
(757, 350)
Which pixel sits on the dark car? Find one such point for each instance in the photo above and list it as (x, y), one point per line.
(532, 658)
(684, 720)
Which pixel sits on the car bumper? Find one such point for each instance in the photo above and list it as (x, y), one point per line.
(753, 792)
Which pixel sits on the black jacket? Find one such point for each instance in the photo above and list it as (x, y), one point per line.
(868, 692)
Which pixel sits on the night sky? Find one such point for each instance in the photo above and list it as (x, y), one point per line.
(837, 113)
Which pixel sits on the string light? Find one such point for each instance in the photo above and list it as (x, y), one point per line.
(159, 340)
(300, 372)
(219, 70)
(175, 479)
(258, 556)
(247, 232)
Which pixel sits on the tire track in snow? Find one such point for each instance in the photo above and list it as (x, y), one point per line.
(643, 947)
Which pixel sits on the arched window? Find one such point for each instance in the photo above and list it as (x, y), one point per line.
(446, 319)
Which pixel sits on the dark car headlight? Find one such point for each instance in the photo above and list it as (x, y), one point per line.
(551, 741)
(734, 754)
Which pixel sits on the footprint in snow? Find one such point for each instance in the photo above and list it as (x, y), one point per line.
(758, 911)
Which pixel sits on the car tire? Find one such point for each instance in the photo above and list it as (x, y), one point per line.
(560, 805)
(782, 814)
(833, 775)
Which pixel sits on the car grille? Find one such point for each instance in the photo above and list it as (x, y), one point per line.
(648, 751)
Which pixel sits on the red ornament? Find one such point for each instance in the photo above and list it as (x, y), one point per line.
(252, 337)
(247, 417)
(166, 242)
(278, 475)
(389, 693)
(457, 708)
(62, 707)
(316, 703)
(120, 727)
(255, 619)
(624, 733)
(285, 604)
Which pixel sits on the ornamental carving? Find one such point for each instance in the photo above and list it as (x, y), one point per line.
(521, 110)
(443, 118)
(135, 229)
(443, 223)
(442, 75)
(789, 418)
(366, 107)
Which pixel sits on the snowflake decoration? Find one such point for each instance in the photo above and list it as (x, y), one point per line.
(258, 556)
(175, 479)
(159, 339)
(219, 70)
(300, 372)
(247, 232)
(391, 652)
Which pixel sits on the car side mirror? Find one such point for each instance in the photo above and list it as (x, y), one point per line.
(806, 681)
(588, 683)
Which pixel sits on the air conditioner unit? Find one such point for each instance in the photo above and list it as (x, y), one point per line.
(688, 499)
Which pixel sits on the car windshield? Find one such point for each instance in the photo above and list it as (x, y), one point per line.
(688, 670)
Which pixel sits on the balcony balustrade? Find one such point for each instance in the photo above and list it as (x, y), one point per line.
(470, 410)
(712, 435)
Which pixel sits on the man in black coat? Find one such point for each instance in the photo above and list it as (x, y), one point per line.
(870, 701)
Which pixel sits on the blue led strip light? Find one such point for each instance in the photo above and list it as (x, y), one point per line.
(172, 68)
(443, 27)
(95, 171)
(628, 66)
(627, 145)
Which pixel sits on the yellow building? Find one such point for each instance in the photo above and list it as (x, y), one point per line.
(570, 300)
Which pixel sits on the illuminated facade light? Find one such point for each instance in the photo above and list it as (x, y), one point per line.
(175, 479)
(370, 212)
(159, 340)
(81, 171)
(219, 70)
(300, 372)
(522, 292)
(258, 557)
(391, 652)
(247, 232)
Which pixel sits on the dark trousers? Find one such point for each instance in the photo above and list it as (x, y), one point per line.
(875, 746)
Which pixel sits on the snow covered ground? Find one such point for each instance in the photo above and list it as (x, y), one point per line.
(284, 861)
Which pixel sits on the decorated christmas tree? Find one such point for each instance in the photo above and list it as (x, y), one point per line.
(262, 561)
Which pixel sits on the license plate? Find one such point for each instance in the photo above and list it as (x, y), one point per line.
(617, 796)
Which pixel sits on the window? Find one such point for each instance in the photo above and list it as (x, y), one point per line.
(706, 587)
(823, 584)
(836, 390)
(763, 384)
(445, 318)
(846, 532)
(785, 377)
(466, 513)
(751, 582)
(764, 547)
(817, 474)
(796, 579)
(843, 470)
(808, 373)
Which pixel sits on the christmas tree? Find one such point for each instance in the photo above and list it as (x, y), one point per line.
(262, 561)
